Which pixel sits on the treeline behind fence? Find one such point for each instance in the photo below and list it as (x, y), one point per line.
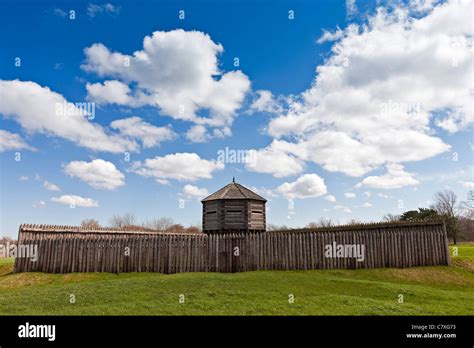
(63, 249)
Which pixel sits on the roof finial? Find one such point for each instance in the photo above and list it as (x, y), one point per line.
(233, 179)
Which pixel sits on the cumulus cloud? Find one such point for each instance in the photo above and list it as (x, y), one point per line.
(39, 110)
(113, 91)
(349, 195)
(467, 184)
(176, 71)
(343, 208)
(197, 134)
(50, 186)
(351, 7)
(275, 160)
(331, 36)
(98, 173)
(76, 201)
(396, 177)
(423, 5)
(11, 141)
(265, 102)
(306, 186)
(330, 198)
(179, 166)
(136, 128)
(373, 103)
(194, 192)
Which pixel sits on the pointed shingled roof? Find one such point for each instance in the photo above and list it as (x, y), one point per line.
(234, 191)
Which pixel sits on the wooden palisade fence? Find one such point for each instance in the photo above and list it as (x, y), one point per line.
(64, 249)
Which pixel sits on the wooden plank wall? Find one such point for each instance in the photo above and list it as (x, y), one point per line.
(64, 251)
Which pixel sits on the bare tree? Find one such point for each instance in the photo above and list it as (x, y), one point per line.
(446, 206)
(391, 218)
(90, 224)
(161, 224)
(446, 203)
(193, 229)
(121, 221)
(466, 226)
(176, 228)
(116, 221)
(322, 222)
(6, 239)
(353, 222)
(467, 206)
(325, 222)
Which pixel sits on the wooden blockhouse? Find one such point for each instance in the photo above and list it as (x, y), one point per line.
(233, 209)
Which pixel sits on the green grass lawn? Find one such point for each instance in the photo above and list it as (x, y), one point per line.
(425, 290)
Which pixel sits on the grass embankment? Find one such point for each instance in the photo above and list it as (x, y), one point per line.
(425, 290)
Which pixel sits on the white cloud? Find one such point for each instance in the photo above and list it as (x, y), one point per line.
(366, 205)
(59, 12)
(221, 132)
(191, 192)
(23, 178)
(351, 7)
(368, 193)
(443, 177)
(39, 204)
(331, 36)
(396, 177)
(197, 134)
(136, 128)
(330, 198)
(77, 201)
(264, 192)
(39, 110)
(373, 103)
(107, 8)
(50, 186)
(177, 71)
(109, 92)
(178, 166)
(349, 195)
(306, 186)
(98, 173)
(467, 184)
(423, 5)
(11, 141)
(343, 208)
(382, 195)
(275, 160)
(265, 102)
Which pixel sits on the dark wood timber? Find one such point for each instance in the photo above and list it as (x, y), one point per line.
(65, 249)
(233, 209)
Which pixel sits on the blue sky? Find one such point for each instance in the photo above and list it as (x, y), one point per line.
(352, 109)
